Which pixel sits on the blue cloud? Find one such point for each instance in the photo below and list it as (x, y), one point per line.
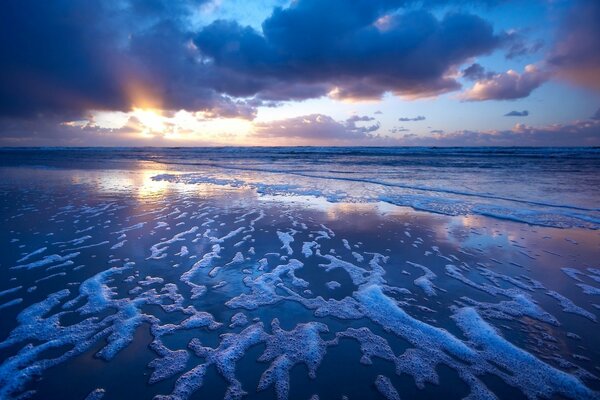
(358, 49)
(406, 119)
(523, 113)
(67, 56)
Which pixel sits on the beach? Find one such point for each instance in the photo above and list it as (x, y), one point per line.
(300, 273)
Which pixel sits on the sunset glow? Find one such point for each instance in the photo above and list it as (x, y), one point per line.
(299, 199)
(227, 72)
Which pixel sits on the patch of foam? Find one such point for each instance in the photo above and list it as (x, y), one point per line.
(125, 322)
(171, 363)
(588, 289)
(357, 274)
(385, 387)
(11, 303)
(50, 277)
(158, 249)
(204, 262)
(371, 345)
(285, 349)
(32, 254)
(89, 246)
(227, 236)
(540, 381)
(51, 259)
(11, 290)
(521, 305)
(96, 394)
(573, 273)
(231, 349)
(118, 245)
(286, 239)
(197, 319)
(570, 307)
(384, 311)
(150, 280)
(263, 287)
(307, 248)
(237, 259)
(357, 256)
(238, 319)
(333, 285)
(130, 228)
(425, 281)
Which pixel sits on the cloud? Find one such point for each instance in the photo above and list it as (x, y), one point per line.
(66, 57)
(597, 115)
(576, 53)
(476, 72)
(358, 49)
(578, 133)
(523, 113)
(406, 119)
(518, 46)
(507, 85)
(318, 128)
(314, 129)
(136, 128)
(324, 130)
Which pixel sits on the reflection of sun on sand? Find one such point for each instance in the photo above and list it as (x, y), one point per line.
(137, 182)
(140, 183)
(148, 187)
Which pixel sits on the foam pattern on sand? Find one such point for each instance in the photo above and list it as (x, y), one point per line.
(223, 287)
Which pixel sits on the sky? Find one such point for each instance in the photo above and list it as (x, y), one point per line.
(300, 72)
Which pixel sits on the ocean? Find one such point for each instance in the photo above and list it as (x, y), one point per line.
(299, 273)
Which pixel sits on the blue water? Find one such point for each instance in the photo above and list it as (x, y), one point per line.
(557, 187)
(357, 272)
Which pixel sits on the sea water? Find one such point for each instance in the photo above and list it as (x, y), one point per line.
(299, 273)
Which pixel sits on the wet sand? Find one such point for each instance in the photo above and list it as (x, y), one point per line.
(148, 274)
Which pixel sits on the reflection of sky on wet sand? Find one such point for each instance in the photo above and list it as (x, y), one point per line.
(403, 234)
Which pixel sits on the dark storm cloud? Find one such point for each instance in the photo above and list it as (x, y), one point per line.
(523, 113)
(68, 56)
(53, 57)
(357, 49)
(64, 57)
(576, 54)
(407, 119)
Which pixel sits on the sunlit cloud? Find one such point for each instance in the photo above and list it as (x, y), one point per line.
(175, 126)
(508, 85)
(211, 72)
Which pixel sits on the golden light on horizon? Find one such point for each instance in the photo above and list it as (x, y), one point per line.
(189, 126)
(151, 121)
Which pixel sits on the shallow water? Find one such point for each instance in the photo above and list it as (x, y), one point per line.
(290, 273)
